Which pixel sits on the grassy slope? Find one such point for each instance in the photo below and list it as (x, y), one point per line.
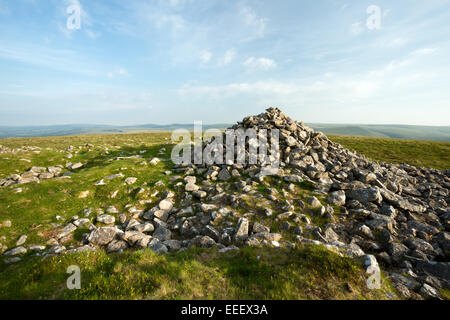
(431, 154)
(310, 272)
(188, 275)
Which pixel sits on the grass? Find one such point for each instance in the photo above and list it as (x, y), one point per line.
(305, 273)
(430, 154)
(309, 272)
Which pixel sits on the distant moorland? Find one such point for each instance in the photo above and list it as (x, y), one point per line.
(438, 133)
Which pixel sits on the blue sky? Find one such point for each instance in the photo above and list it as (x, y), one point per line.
(176, 61)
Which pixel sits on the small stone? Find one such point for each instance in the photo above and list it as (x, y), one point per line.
(76, 166)
(157, 246)
(199, 194)
(154, 161)
(173, 245)
(81, 222)
(116, 246)
(191, 187)
(12, 260)
(122, 218)
(314, 202)
(102, 236)
(241, 233)
(130, 180)
(106, 219)
(56, 249)
(257, 228)
(337, 198)
(6, 224)
(166, 205)
(190, 179)
(36, 248)
(429, 292)
(298, 230)
(21, 240)
(112, 210)
(162, 234)
(15, 251)
(224, 175)
(83, 194)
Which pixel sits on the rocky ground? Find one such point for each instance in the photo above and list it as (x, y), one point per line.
(391, 216)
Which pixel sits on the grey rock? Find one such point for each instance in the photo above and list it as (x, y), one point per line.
(15, 251)
(203, 242)
(106, 219)
(211, 232)
(258, 228)
(314, 202)
(157, 246)
(429, 292)
(241, 233)
(366, 195)
(162, 234)
(224, 175)
(166, 205)
(102, 236)
(337, 198)
(116, 246)
(173, 245)
(22, 239)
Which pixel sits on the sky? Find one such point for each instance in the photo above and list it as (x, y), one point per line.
(178, 61)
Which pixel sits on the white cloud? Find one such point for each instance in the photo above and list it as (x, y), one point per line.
(175, 22)
(424, 51)
(92, 34)
(228, 57)
(356, 28)
(118, 72)
(396, 42)
(252, 20)
(205, 56)
(260, 63)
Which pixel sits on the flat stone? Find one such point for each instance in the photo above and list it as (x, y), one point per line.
(162, 234)
(106, 219)
(102, 236)
(15, 251)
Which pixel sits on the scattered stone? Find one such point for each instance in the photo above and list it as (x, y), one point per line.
(106, 219)
(130, 180)
(15, 251)
(83, 194)
(314, 202)
(22, 239)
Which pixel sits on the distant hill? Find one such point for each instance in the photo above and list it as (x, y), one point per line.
(387, 131)
(383, 131)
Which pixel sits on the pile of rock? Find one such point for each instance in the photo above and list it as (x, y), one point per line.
(35, 174)
(396, 211)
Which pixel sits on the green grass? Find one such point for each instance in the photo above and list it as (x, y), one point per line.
(309, 272)
(430, 154)
(305, 273)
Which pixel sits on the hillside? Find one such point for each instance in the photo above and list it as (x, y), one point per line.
(381, 131)
(291, 268)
